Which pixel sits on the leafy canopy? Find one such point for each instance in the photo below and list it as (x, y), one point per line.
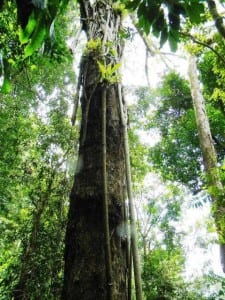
(164, 18)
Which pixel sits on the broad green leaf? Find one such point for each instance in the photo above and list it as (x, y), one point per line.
(36, 41)
(153, 11)
(24, 35)
(194, 11)
(141, 10)
(144, 25)
(163, 36)
(102, 68)
(159, 23)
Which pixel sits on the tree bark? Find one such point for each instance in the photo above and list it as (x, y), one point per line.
(213, 181)
(85, 255)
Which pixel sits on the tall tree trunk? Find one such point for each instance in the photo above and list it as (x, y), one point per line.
(214, 184)
(85, 275)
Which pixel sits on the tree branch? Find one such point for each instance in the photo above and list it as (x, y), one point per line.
(151, 48)
(218, 19)
(204, 45)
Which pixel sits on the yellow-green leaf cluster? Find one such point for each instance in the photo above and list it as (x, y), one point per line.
(109, 73)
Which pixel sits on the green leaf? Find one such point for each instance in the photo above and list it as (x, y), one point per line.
(144, 25)
(115, 67)
(174, 20)
(63, 5)
(159, 23)
(163, 36)
(173, 38)
(102, 68)
(36, 41)
(6, 87)
(153, 11)
(194, 11)
(141, 9)
(24, 35)
(132, 5)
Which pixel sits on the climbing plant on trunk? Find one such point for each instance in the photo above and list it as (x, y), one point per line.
(92, 270)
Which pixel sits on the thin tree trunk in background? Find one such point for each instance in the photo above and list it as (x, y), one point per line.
(214, 184)
(218, 19)
(85, 264)
(134, 247)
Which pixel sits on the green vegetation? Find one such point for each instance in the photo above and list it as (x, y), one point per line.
(36, 147)
(39, 147)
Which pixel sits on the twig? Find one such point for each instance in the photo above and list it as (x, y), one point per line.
(204, 45)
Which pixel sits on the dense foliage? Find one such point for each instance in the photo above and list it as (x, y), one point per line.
(160, 203)
(38, 145)
(38, 148)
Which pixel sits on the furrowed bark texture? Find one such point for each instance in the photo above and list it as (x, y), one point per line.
(214, 184)
(85, 265)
